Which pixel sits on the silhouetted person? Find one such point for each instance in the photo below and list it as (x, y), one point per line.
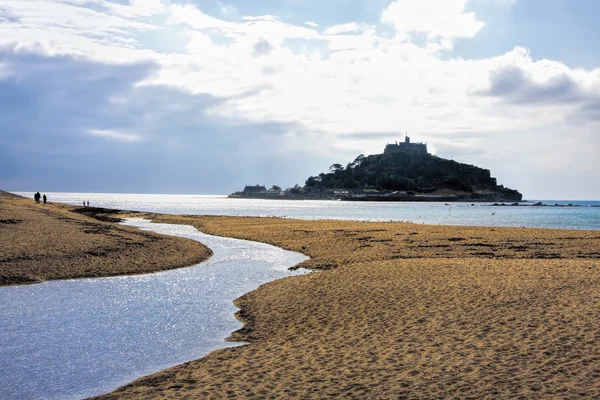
(37, 197)
(84, 203)
(45, 199)
(88, 203)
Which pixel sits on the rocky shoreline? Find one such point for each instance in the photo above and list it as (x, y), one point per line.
(540, 204)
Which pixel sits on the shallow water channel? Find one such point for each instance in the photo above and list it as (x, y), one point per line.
(77, 338)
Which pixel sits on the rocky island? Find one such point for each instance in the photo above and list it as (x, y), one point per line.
(404, 172)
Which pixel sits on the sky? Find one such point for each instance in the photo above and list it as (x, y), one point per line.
(205, 96)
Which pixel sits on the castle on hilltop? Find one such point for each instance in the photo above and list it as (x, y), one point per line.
(414, 149)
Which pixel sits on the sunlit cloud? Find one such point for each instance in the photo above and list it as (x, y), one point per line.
(327, 88)
(116, 135)
(441, 20)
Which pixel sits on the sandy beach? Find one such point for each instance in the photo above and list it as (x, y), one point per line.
(48, 241)
(406, 311)
(397, 310)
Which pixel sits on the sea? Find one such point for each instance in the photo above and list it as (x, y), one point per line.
(561, 214)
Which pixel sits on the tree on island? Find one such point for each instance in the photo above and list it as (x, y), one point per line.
(335, 168)
(423, 173)
(295, 190)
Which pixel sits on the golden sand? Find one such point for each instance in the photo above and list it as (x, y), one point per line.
(47, 241)
(406, 311)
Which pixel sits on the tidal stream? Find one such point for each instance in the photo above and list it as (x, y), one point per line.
(73, 339)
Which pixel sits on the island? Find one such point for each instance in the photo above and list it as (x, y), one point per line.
(405, 171)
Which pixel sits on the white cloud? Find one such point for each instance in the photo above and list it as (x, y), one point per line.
(350, 78)
(498, 3)
(395, 84)
(195, 18)
(151, 5)
(441, 20)
(351, 27)
(199, 43)
(271, 18)
(116, 135)
(313, 24)
(227, 9)
(56, 28)
(5, 70)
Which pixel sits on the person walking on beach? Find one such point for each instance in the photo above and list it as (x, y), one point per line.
(45, 199)
(36, 197)
(84, 203)
(88, 203)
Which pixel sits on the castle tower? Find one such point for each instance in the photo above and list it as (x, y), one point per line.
(417, 149)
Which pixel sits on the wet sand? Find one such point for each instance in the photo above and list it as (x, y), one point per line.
(406, 311)
(55, 241)
(397, 310)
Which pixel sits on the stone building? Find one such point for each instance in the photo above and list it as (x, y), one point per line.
(254, 189)
(415, 149)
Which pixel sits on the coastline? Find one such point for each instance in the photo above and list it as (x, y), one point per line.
(404, 310)
(58, 241)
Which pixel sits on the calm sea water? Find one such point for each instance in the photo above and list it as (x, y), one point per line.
(480, 214)
(77, 338)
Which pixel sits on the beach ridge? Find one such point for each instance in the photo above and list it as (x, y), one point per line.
(405, 311)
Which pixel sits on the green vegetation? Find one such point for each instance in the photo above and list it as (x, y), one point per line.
(411, 173)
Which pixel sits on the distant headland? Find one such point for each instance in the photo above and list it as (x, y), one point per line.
(404, 172)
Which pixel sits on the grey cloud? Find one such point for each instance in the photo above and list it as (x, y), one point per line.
(451, 151)
(262, 48)
(513, 85)
(374, 135)
(47, 111)
(458, 135)
(592, 110)
(269, 70)
(399, 136)
(252, 91)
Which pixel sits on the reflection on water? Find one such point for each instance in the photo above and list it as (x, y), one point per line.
(480, 214)
(78, 338)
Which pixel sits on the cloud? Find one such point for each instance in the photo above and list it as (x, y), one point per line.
(116, 135)
(259, 90)
(535, 84)
(373, 135)
(150, 5)
(498, 3)
(439, 20)
(311, 24)
(351, 27)
(98, 28)
(349, 67)
(514, 84)
(269, 18)
(262, 48)
(227, 9)
(61, 118)
(589, 111)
